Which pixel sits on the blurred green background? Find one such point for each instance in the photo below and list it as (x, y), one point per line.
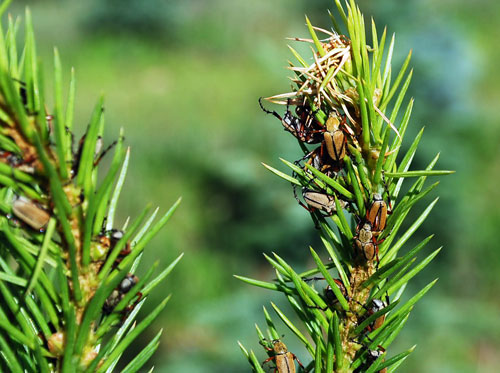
(183, 78)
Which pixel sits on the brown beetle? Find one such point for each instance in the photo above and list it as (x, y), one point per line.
(30, 213)
(377, 214)
(321, 201)
(365, 242)
(334, 138)
(282, 357)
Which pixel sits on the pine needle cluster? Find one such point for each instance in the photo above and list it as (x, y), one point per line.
(68, 289)
(350, 119)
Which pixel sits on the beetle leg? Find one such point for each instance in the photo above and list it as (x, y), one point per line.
(130, 307)
(307, 156)
(318, 307)
(263, 342)
(318, 131)
(310, 209)
(294, 187)
(268, 359)
(375, 242)
(96, 162)
(314, 279)
(378, 259)
(357, 226)
(321, 149)
(72, 135)
(125, 251)
(270, 112)
(13, 221)
(386, 187)
(298, 361)
(139, 297)
(362, 305)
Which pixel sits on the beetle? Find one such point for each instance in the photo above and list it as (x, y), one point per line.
(376, 306)
(114, 236)
(12, 159)
(319, 200)
(98, 152)
(329, 296)
(23, 95)
(377, 214)
(332, 302)
(117, 294)
(31, 213)
(55, 343)
(16, 161)
(282, 358)
(365, 242)
(302, 128)
(333, 137)
(318, 160)
(371, 357)
(106, 241)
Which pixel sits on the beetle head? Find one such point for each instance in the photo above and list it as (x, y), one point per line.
(279, 347)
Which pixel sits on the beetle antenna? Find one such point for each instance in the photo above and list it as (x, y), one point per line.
(308, 155)
(313, 279)
(96, 162)
(270, 112)
(294, 186)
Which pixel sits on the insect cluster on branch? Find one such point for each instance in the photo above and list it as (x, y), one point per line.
(329, 132)
(30, 204)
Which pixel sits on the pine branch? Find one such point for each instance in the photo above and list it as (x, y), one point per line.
(69, 293)
(349, 125)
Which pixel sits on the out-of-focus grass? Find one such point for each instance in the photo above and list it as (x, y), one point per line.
(188, 103)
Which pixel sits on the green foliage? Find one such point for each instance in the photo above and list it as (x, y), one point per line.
(69, 294)
(348, 94)
(152, 19)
